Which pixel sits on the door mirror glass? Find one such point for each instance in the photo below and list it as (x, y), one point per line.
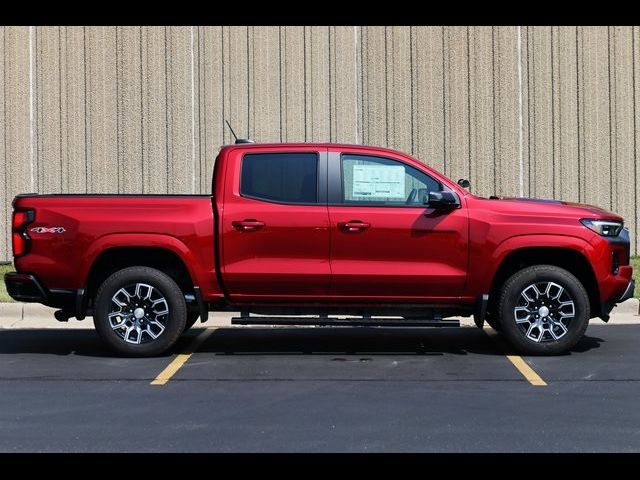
(443, 200)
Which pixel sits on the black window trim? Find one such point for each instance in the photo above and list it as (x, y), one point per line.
(321, 179)
(334, 172)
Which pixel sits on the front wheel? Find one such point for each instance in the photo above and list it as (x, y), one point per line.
(139, 312)
(544, 310)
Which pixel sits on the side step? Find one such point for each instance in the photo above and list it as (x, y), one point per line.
(345, 322)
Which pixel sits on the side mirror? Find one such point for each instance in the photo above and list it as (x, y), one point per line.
(464, 183)
(443, 200)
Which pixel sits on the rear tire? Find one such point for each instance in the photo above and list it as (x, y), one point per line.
(139, 312)
(544, 310)
(192, 318)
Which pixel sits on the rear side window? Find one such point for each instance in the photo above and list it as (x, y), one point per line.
(280, 177)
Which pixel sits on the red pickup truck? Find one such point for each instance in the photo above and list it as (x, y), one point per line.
(320, 234)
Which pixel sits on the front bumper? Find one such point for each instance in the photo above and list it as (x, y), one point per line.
(626, 295)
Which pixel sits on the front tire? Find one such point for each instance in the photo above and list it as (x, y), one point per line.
(139, 312)
(544, 310)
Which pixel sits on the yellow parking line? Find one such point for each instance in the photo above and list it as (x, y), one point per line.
(165, 375)
(527, 372)
(517, 361)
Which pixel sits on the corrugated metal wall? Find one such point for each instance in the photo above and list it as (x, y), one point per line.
(542, 111)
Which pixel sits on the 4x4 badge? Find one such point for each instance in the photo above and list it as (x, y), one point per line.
(48, 230)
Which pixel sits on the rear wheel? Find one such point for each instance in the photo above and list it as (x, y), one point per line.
(544, 310)
(139, 311)
(192, 318)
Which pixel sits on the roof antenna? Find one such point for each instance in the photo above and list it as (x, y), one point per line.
(238, 140)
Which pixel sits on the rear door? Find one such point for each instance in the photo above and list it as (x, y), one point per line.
(385, 242)
(275, 224)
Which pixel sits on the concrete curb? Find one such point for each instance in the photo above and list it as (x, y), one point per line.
(34, 315)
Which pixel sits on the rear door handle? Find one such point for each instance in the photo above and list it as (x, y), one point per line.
(247, 225)
(354, 226)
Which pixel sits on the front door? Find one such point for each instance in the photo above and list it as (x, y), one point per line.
(385, 242)
(275, 225)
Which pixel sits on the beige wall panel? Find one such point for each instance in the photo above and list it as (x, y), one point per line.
(17, 149)
(181, 159)
(5, 247)
(567, 135)
(595, 55)
(457, 162)
(102, 109)
(293, 84)
(374, 66)
(622, 64)
(317, 80)
(399, 87)
(482, 111)
(155, 118)
(212, 124)
(507, 106)
(344, 79)
(541, 98)
(428, 98)
(236, 81)
(265, 78)
(130, 140)
(48, 108)
(74, 164)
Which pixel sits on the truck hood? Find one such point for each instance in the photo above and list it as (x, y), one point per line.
(559, 206)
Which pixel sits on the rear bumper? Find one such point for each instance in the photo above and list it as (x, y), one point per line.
(24, 287)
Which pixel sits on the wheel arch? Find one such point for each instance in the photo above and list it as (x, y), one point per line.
(569, 259)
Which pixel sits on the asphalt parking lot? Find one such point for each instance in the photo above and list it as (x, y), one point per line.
(319, 389)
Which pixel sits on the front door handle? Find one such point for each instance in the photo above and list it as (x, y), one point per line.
(354, 226)
(248, 225)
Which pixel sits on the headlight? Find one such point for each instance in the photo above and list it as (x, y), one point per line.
(606, 228)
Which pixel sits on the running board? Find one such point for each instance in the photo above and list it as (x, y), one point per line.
(344, 322)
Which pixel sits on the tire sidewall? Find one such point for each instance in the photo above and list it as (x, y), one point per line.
(542, 273)
(168, 289)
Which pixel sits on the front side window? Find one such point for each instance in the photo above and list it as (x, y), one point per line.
(382, 181)
(280, 177)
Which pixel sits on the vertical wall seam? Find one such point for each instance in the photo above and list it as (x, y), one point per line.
(141, 114)
(224, 118)
(4, 124)
(60, 103)
(87, 159)
(166, 103)
(280, 79)
(535, 123)
(355, 79)
(553, 122)
(469, 98)
(493, 105)
(31, 128)
(118, 156)
(635, 135)
(444, 108)
(250, 83)
(520, 122)
(193, 115)
(610, 118)
(386, 88)
(330, 85)
(412, 87)
(578, 105)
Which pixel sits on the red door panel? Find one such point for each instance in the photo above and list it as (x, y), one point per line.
(405, 252)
